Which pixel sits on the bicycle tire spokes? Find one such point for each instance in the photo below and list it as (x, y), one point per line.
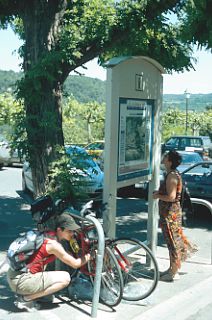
(111, 280)
(139, 268)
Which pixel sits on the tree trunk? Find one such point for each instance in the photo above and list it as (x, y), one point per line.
(41, 89)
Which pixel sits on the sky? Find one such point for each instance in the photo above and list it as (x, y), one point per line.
(198, 81)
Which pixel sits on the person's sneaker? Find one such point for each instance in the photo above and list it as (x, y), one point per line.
(29, 306)
(46, 299)
(168, 277)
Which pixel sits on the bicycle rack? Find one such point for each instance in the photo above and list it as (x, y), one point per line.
(99, 261)
(206, 204)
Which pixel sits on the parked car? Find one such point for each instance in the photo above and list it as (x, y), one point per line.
(188, 158)
(198, 178)
(95, 148)
(87, 169)
(7, 156)
(200, 144)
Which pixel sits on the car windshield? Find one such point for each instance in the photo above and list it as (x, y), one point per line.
(190, 158)
(200, 169)
(172, 141)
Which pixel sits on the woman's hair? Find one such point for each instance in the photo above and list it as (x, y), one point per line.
(175, 158)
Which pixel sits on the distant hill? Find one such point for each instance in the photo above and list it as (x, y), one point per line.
(86, 89)
(196, 102)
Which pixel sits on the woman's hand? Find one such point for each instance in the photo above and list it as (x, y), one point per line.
(155, 194)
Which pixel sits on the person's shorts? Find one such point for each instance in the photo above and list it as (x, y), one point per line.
(26, 283)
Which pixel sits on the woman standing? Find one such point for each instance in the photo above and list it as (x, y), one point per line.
(170, 213)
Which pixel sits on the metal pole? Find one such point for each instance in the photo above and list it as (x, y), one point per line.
(187, 95)
(186, 114)
(99, 264)
(99, 261)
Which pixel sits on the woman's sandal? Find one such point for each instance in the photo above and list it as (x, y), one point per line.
(169, 277)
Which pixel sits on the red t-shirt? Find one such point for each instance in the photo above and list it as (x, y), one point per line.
(40, 258)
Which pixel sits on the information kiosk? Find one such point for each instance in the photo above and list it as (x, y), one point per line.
(132, 132)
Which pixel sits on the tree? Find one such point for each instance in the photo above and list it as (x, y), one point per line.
(60, 35)
(12, 122)
(83, 122)
(173, 123)
(197, 23)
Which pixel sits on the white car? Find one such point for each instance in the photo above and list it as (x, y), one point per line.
(91, 175)
(6, 156)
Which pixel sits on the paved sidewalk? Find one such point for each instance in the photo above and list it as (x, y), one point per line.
(195, 277)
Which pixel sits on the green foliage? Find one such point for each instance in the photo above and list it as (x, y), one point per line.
(8, 81)
(196, 23)
(66, 179)
(206, 123)
(60, 185)
(12, 122)
(83, 123)
(174, 122)
(59, 36)
(85, 89)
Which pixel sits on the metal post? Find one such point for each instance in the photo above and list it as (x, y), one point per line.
(187, 95)
(99, 264)
(152, 222)
(99, 261)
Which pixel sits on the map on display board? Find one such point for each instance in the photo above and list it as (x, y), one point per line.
(135, 137)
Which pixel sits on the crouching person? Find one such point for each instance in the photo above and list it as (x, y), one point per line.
(35, 282)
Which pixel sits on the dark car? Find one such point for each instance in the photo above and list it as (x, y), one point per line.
(198, 178)
(188, 158)
(200, 144)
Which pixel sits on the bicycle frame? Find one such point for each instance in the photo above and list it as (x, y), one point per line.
(123, 262)
(86, 245)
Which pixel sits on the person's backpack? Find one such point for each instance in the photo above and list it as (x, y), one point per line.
(22, 248)
(185, 200)
(186, 204)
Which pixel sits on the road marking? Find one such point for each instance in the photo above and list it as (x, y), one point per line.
(183, 305)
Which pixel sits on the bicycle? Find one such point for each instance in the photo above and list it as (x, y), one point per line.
(138, 265)
(130, 270)
(111, 290)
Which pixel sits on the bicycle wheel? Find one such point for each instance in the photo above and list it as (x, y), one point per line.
(111, 290)
(139, 268)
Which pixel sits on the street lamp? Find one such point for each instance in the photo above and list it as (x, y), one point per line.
(187, 96)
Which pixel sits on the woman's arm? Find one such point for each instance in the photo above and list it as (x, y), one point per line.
(55, 248)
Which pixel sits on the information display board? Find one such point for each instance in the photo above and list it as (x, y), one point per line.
(135, 137)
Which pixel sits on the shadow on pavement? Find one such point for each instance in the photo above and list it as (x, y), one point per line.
(15, 217)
